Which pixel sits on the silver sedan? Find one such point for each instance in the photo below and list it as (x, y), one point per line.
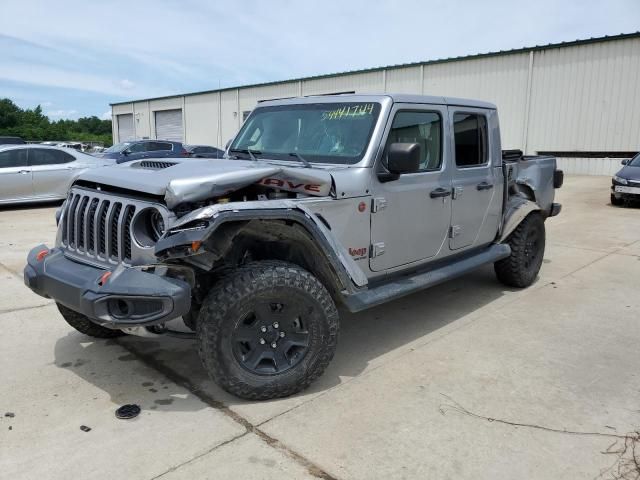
(38, 173)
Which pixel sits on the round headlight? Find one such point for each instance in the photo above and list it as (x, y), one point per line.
(157, 225)
(148, 227)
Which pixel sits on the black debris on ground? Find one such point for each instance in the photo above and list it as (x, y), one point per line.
(84, 428)
(128, 411)
(10, 414)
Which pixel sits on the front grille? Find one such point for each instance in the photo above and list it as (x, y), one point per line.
(99, 226)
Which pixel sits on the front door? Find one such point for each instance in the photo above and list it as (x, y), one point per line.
(474, 186)
(15, 175)
(410, 216)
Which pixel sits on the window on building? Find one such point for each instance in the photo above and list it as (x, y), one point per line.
(423, 128)
(470, 135)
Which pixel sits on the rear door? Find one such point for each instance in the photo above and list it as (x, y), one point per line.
(15, 175)
(52, 172)
(410, 216)
(475, 203)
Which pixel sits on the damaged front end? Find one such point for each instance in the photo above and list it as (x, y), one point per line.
(142, 257)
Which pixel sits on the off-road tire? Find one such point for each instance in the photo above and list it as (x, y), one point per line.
(235, 296)
(616, 202)
(521, 268)
(82, 324)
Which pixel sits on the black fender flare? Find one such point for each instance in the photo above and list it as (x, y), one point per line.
(351, 278)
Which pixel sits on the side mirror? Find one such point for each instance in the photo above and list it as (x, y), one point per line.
(226, 145)
(404, 158)
(126, 152)
(625, 161)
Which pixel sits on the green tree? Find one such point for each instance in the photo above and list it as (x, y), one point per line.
(33, 125)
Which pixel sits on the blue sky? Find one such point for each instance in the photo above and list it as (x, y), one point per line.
(75, 57)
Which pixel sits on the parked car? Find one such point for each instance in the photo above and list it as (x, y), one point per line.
(354, 200)
(204, 151)
(11, 141)
(35, 173)
(135, 150)
(625, 185)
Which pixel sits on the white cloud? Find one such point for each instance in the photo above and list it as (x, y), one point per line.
(126, 84)
(62, 114)
(190, 45)
(106, 115)
(46, 104)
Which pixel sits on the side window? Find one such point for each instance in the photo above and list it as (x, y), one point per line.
(423, 128)
(155, 146)
(13, 158)
(139, 147)
(470, 136)
(40, 156)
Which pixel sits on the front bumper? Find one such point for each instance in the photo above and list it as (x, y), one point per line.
(128, 298)
(626, 192)
(556, 208)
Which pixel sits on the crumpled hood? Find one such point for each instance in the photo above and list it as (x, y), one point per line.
(191, 180)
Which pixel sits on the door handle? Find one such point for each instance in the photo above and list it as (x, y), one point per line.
(440, 192)
(484, 186)
(23, 172)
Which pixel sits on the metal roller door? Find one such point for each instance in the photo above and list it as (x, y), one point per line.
(126, 133)
(169, 125)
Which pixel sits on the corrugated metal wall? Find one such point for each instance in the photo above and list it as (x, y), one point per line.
(576, 98)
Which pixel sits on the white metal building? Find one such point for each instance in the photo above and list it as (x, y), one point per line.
(578, 100)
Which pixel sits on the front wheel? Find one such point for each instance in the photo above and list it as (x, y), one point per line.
(616, 201)
(83, 325)
(267, 330)
(527, 243)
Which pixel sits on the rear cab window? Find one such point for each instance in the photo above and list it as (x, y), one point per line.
(470, 138)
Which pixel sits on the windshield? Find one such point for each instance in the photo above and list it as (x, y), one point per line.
(321, 132)
(118, 147)
(635, 161)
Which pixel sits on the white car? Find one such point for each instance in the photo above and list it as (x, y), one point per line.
(38, 173)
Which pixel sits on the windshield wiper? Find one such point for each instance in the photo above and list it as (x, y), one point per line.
(252, 153)
(301, 158)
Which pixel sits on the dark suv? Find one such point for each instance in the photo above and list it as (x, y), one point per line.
(137, 149)
(11, 141)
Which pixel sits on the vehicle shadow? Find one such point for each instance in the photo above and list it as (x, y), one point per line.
(366, 339)
(30, 206)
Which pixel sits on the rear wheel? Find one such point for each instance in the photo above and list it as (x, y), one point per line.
(527, 243)
(82, 324)
(267, 330)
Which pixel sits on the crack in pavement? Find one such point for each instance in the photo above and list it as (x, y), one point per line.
(20, 309)
(200, 455)
(152, 362)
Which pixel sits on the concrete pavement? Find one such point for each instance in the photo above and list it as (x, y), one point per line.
(407, 395)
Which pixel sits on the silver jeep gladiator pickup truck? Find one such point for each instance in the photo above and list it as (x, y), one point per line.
(320, 202)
